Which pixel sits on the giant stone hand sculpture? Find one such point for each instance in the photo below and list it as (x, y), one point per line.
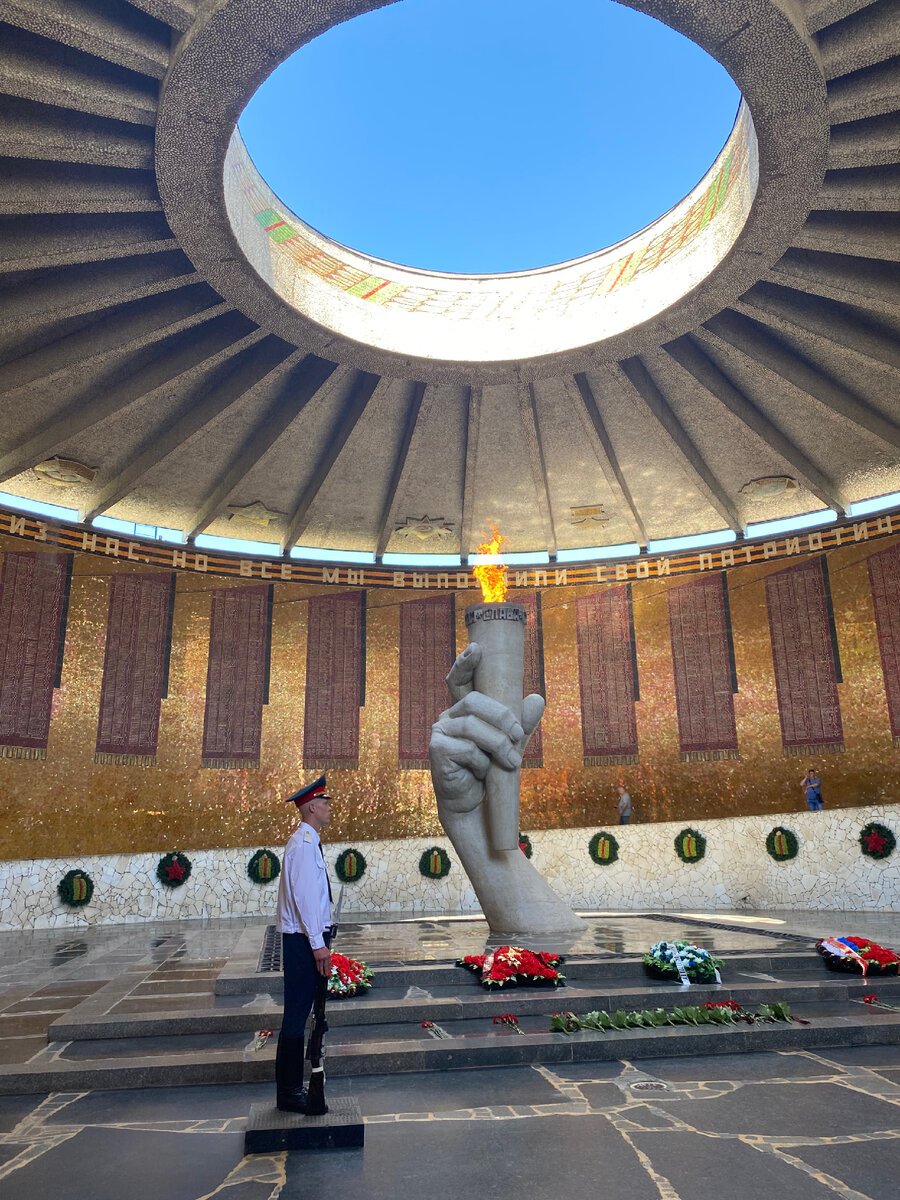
(476, 753)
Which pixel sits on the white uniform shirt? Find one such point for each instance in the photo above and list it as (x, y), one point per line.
(304, 905)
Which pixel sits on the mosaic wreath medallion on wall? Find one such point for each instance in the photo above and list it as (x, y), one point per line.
(876, 841)
(434, 863)
(264, 866)
(75, 888)
(782, 844)
(173, 869)
(603, 848)
(525, 845)
(690, 845)
(350, 866)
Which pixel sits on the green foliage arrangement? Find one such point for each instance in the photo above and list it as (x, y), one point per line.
(264, 866)
(782, 844)
(75, 888)
(603, 848)
(434, 863)
(876, 841)
(690, 845)
(723, 1012)
(174, 869)
(350, 866)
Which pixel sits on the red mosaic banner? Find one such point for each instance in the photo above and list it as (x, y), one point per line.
(335, 657)
(704, 677)
(33, 595)
(534, 671)
(884, 581)
(607, 678)
(134, 668)
(427, 651)
(806, 664)
(237, 676)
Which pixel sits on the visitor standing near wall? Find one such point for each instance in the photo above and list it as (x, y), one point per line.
(812, 785)
(304, 922)
(624, 805)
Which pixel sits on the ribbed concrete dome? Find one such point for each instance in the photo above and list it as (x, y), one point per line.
(169, 366)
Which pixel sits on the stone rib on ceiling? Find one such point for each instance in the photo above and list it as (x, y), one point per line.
(116, 352)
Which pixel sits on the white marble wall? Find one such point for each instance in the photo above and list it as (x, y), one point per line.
(828, 873)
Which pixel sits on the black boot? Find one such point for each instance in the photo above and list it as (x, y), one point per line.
(290, 1092)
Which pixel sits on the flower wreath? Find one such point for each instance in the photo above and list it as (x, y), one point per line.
(782, 844)
(690, 845)
(876, 841)
(511, 966)
(350, 866)
(603, 848)
(525, 845)
(75, 888)
(173, 869)
(348, 977)
(434, 863)
(699, 964)
(859, 956)
(264, 866)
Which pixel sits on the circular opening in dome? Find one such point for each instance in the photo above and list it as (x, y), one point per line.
(405, 136)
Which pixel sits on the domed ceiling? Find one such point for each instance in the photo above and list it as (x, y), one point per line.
(211, 364)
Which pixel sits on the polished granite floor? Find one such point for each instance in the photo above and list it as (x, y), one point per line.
(796, 1123)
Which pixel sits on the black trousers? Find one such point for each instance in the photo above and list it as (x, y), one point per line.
(300, 977)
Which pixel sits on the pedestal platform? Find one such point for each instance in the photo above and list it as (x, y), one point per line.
(269, 1129)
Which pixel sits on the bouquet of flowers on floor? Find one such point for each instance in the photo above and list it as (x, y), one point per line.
(348, 977)
(858, 955)
(700, 965)
(511, 966)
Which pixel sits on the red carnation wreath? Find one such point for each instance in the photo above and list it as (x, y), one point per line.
(513, 966)
(858, 955)
(348, 977)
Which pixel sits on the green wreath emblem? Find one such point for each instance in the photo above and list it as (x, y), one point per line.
(782, 844)
(264, 866)
(75, 888)
(690, 845)
(435, 863)
(603, 848)
(876, 841)
(174, 869)
(525, 845)
(350, 866)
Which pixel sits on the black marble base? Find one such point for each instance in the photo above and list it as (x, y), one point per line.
(270, 1130)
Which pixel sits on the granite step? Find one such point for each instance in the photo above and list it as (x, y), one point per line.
(236, 978)
(464, 1000)
(468, 1042)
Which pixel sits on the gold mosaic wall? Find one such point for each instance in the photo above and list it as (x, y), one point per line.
(68, 805)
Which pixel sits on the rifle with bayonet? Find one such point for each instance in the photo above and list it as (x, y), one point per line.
(315, 1092)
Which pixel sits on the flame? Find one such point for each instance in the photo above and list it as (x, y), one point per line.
(492, 576)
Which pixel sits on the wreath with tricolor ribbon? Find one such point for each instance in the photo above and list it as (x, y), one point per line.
(782, 844)
(603, 848)
(264, 866)
(434, 863)
(174, 869)
(75, 888)
(350, 866)
(690, 845)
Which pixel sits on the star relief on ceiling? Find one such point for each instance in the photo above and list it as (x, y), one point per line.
(254, 514)
(424, 528)
(64, 472)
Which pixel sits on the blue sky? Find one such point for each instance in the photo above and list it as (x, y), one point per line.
(478, 136)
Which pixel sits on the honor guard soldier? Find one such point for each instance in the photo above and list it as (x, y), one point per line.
(304, 922)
